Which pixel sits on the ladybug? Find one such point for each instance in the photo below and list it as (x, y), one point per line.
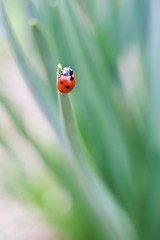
(66, 80)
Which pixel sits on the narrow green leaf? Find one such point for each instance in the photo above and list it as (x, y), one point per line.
(48, 50)
(113, 220)
(33, 80)
(152, 220)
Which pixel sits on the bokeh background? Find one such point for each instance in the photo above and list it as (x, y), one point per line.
(91, 171)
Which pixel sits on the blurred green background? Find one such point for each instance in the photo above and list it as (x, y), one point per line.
(87, 162)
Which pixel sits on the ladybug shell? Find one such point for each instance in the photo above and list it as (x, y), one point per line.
(65, 84)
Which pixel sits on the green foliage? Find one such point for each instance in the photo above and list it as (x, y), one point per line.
(107, 161)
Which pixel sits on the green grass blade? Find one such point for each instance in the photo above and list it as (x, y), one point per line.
(114, 222)
(152, 220)
(40, 91)
(44, 50)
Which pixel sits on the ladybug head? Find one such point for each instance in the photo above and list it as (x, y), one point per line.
(67, 71)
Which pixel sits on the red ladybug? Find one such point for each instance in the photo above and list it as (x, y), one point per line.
(66, 80)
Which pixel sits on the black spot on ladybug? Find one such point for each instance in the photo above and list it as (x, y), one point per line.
(61, 82)
(68, 87)
(61, 91)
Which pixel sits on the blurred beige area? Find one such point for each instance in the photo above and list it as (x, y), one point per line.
(18, 221)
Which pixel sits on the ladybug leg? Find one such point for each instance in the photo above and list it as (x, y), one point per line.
(72, 77)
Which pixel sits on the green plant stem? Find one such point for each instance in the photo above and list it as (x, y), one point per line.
(114, 221)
